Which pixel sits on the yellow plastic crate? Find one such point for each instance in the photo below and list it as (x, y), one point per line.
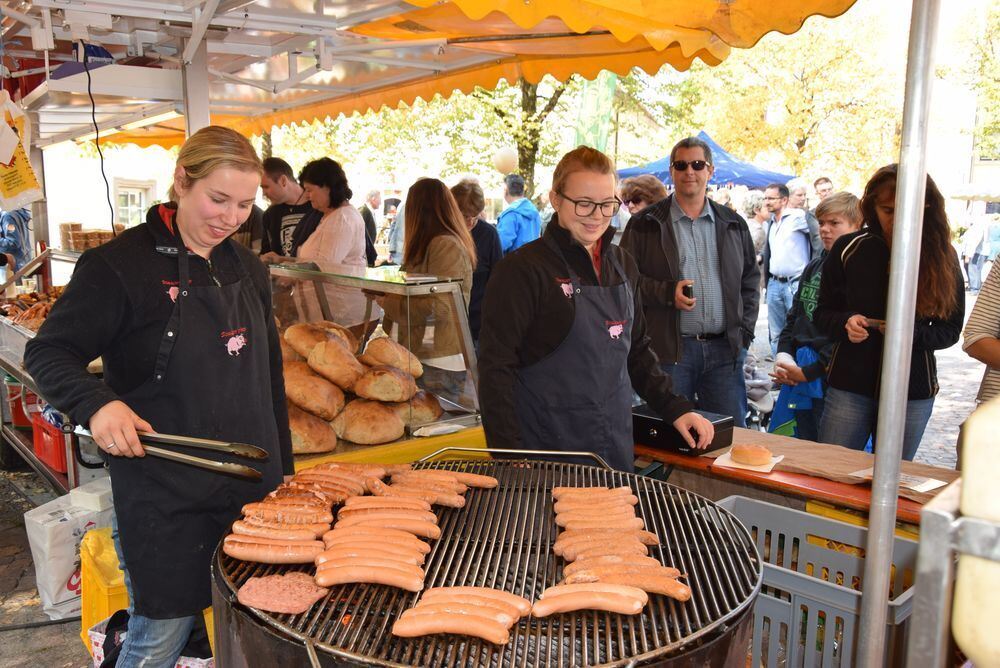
(858, 518)
(103, 583)
(103, 590)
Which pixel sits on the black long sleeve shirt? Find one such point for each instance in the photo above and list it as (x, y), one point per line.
(526, 316)
(800, 330)
(115, 308)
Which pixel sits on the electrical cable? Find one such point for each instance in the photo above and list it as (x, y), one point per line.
(35, 625)
(97, 137)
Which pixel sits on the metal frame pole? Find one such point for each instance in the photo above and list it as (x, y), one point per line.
(911, 185)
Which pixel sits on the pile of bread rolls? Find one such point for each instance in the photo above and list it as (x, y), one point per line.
(332, 393)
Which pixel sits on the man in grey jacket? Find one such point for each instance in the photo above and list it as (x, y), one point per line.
(688, 243)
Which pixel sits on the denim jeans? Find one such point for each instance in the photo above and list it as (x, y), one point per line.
(150, 643)
(807, 421)
(712, 377)
(779, 303)
(975, 271)
(850, 418)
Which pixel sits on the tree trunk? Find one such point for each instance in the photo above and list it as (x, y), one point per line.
(265, 145)
(527, 136)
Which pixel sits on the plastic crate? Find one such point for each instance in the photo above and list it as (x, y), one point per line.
(102, 589)
(49, 443)
(807, 612)
(21, 402)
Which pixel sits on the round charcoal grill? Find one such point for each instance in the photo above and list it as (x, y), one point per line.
(503, 539)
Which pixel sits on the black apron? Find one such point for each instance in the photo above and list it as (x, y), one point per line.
(211, 380)
(579, 397)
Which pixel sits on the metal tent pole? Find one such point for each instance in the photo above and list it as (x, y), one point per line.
(910, 187)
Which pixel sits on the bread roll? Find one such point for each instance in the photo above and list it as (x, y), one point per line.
(383, 350)
(385, 383)
(288, 353)
(423, 408)
(340, 332)
(309, 433)
(368, 422)
(306, 336)
(311, 392)
(336, 363)
(750, 454)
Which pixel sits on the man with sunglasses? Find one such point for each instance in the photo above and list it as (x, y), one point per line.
(688, 243)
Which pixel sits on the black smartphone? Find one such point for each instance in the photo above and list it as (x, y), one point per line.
(688, 291)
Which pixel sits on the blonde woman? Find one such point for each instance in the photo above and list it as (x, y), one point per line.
(564, 339)
(181, 316)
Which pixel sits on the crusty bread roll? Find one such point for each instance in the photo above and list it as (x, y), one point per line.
(340, 332)
(334, 362)
(309, 433)
(385, 383)
(303, 337)
(423, 408)
(288, 353)
(750, 454)
(311, 392)
(368, 422)
(383, 350)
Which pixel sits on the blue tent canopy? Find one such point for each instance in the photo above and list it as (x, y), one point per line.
(728, 170)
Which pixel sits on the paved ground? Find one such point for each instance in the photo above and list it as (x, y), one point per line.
(59, 646)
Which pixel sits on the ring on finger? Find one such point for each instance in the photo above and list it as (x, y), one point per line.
(111, 446)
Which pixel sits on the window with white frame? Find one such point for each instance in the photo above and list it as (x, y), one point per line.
(132, 198)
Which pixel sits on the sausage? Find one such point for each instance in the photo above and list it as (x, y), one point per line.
(285, 491)
(290, 515)
(397, 468)
(375, 562)
(246, 529)
(469, 479)
(365, 470)
(609, 517)
(437, 495)
(331, 495)
(379, 488)
(416, 527)
(624, 590)
(410, 625)
(392, 577)
(386, 502)
(620, 561)
(382, 534)
(577, 541)
(592, 493)
(271, 551)
(652, 580)
(456, 607)
(418, 479)
(575, 503)
(318, 528)
(646, 537)
(522, 604)
(337, 477)
(369, 549)
(475, 599)
(387, 545)
(346, 514)
(336, 484)
(590, 550)
(588, 600)
(631, 523)
(296, 504)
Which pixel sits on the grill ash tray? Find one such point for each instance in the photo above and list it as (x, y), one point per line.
(503, 539)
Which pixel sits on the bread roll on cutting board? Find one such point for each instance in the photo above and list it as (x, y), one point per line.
(383, 350)
(368, 423)
(309, 433)
(311, 392)
(423, 408)
(333, 361)
(385, 383)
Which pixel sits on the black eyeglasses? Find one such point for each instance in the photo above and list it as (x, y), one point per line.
(586, 208)
(696, 165)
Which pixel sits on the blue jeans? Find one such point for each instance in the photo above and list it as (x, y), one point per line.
(712, 377)
(150, 643)
(807, 421)
(779, 303)
(850, 418)
(975, 271)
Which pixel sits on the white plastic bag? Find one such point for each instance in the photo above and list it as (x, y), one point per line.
(54, 534)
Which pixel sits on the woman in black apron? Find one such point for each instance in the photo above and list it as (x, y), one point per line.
(181, 316)
(563, 339)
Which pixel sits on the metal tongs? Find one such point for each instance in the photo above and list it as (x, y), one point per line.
(246, 450)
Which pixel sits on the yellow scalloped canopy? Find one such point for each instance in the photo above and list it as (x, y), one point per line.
(532, 38)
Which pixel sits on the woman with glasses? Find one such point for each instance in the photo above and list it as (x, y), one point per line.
(563, 341)
(638, 192)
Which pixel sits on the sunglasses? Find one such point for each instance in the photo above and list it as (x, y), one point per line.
(696, 165)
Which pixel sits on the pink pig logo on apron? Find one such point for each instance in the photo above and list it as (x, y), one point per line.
(235, 341)
(615, 328)
(173, 292)
(566, 286)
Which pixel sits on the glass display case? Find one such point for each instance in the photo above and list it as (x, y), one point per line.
(391, 342)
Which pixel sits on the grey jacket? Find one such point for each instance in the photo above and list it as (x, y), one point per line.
(650, 239)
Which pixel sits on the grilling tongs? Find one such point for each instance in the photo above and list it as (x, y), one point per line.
(148, 440)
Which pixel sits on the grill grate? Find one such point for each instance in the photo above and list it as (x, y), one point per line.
(503, 539)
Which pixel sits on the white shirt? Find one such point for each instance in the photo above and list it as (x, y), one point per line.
(790, 242)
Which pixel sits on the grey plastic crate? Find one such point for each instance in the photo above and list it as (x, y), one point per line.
(803, 617)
